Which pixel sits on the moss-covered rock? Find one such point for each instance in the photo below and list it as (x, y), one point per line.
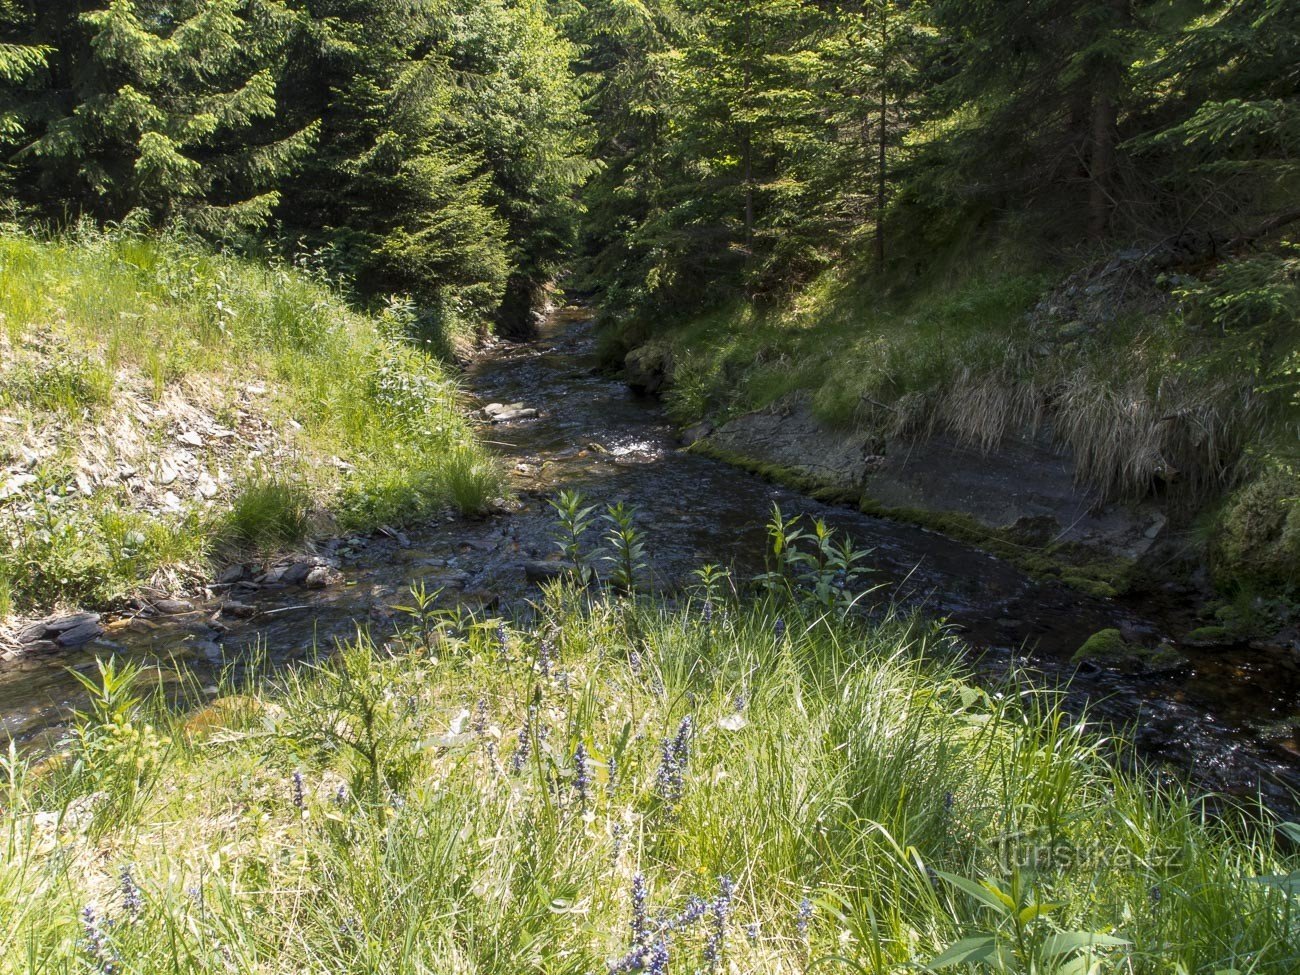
(1108, 648)
(1258, 537)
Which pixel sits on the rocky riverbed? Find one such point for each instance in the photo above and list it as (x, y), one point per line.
(1225, 715)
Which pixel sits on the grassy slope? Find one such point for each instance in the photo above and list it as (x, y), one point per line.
(832, 764)
(1178, 380)
(112, 347)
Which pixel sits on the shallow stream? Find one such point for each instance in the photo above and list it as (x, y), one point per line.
(1230, 720)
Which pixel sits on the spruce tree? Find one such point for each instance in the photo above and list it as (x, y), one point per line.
(174, 114)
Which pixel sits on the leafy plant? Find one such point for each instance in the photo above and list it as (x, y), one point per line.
(575, 519)
(1023, 940)
(626, 544)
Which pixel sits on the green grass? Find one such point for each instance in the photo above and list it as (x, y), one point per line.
(1178, 386)
(368, 427)
(442, 828)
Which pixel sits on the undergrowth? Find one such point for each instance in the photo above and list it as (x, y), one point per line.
(615, 785)
(96, 328)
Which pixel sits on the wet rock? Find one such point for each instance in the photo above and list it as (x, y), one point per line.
(76, 620)
(33, 632)
(787, 437)
(322, 577)
(209, 650)
(648, 369)
(173, 607)
(1109, 649)
(296, 574)
(696, 432)
(232, 574)
(79, 635)
(539, 572)
(233, 607)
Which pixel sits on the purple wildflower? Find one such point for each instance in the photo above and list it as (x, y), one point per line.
(545, 657)
(751, 932)
(341, 795)
(640, 924)
(611, 782)
(98, 950)
(803, 917)
(582, 774)
(706, 612)
(132, 895)
(480, 716)
(721, 915)
(524, 742)
(778, 630)
(658, 962)
(299, 800)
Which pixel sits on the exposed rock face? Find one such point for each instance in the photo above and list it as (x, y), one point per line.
(648, 369)
(789, 436)
(1024, 487)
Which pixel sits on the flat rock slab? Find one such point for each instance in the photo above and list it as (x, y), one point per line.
(787, 435)
(1024, 485)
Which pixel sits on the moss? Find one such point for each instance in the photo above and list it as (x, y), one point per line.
(1072, 564)
(1103, 645)
(1110, 648)
(790, 477)
(1257, 543)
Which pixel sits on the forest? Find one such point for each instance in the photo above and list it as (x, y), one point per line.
(572, 486)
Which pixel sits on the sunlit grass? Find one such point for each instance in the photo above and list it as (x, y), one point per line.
(372, 426)
(418, 804)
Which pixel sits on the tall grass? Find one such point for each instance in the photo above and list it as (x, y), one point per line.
(1177, 387)
(368, 426)
(477, 796)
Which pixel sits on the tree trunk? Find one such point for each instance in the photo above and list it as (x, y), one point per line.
(882, 174)
(1102, 164)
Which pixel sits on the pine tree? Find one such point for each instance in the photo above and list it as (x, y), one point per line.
(174, 114)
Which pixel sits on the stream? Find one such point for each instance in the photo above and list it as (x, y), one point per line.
(1229, 722)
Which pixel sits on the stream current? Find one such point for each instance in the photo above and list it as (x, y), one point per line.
(1230, 721)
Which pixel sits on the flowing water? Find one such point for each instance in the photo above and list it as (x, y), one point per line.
(1229, 721)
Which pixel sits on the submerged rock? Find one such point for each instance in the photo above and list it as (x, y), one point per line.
(1108, 648)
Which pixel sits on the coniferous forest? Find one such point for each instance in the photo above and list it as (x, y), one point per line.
(611, 486)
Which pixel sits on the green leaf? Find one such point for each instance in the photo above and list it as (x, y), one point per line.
(998, 901)
(966, 951)
(1068, 941)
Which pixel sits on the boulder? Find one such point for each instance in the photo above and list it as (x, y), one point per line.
(648, 369)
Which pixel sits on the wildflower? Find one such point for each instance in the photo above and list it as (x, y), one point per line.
(611, 783)
(341, 795)
(751, 932)
(658, 962)
(803, 917)
(670, 779)
(721, 914)
(695, 910)
(545, 657)
(132, 895)
(582, 778)
(640, 925)
(503, 641)
(616, 835)
(949, 800)
(738, 702)
(524, 743)
(100, 953)
(298, 800)
(1156, 894)
(778, 630)
(706, 612)
(480, 716)
(634, 661)
(682, 743)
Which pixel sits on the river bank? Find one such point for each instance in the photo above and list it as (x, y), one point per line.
(1226, 718)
